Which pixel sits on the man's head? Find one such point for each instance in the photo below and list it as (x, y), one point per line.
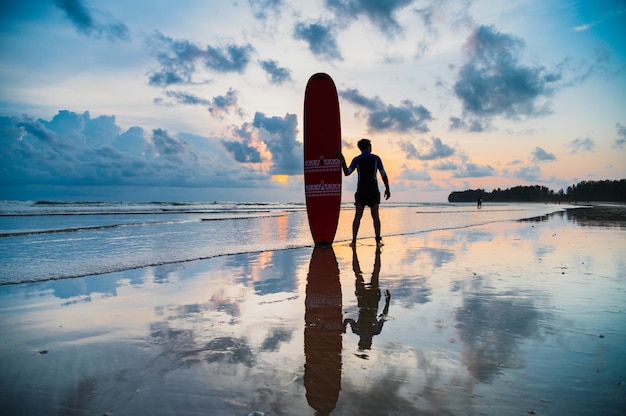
(364, 144)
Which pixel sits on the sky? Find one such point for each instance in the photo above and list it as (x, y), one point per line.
(202, 100)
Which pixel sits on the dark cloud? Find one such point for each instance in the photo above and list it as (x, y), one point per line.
(540, 155)
(355, 97)
(581, 145)
(167, 146)
(262, 8)
(493, 82)
(445, 166)
(228, 58)
(620, 142)
(409, 149)
(277, 74)
(83, 18)
(387, 117)
(469, 124)
(279, 135)
(242, 152)
(380, 12)
(217, 106)
(321, 40)
(185, 98)
(77, 150)
(225, 103)
(435, 149)
(276, 135)
(179, 59)
(31, 127)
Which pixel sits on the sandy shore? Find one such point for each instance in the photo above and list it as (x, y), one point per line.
(507, 318)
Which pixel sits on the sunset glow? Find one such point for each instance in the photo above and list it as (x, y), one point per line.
(282, 179)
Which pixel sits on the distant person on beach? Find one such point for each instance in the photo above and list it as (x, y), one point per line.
(480, 202)
(367, 165)
(368, 296)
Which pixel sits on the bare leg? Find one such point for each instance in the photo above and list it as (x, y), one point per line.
(376, 219)
(356, 223)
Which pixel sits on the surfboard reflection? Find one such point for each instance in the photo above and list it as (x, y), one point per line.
(369, 323)
(323, 332)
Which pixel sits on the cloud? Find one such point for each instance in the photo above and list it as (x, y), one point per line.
(469, 124)
(581, 145)
(242, 151)
(387, 117)
(268, 139)
(488, 349)
(436, 149)
(445, 166)
(225, 103)
(380, 13)
(472, 170)
(277, 74)
(410, 174)
(261, 8)
(184, 98)
(279, 135)
(179, 59)
(540, 155)
(132, 141)
(83, 18)
(620, 142)
(217, 106)
(77, 150)
(321, 40)
(530, 173)
(228, 58)
(492, 82)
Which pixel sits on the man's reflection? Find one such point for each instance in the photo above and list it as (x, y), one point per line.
(322, 333)
(368, 297)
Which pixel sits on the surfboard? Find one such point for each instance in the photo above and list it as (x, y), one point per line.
(322, 168)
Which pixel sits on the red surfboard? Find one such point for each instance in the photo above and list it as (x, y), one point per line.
(322, 331)
(322, 168)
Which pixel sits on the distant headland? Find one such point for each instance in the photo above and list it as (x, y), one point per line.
(585, 191)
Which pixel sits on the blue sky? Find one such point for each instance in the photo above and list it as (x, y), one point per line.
(202, 100)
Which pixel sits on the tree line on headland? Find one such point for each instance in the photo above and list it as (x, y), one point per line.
(585, 191)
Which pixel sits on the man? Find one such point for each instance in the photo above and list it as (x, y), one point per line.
(367, 165)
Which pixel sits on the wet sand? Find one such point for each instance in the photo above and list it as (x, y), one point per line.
(507, 318)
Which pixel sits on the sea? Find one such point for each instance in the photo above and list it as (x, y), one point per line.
(49, 240)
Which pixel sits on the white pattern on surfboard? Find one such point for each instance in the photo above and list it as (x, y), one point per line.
(323, 189)
(322, 165)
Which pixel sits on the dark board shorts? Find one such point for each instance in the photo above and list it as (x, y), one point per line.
(367, 198)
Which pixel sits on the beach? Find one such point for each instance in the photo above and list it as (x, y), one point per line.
(504, 317)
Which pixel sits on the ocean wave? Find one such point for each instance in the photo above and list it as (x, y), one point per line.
(4, 234)
(51, 248)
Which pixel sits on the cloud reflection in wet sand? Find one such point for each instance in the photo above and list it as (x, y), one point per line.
(497, 319)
